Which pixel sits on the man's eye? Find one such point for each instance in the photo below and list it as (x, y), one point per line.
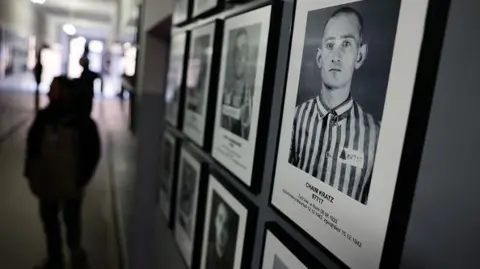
(329, 46)
(347, 43)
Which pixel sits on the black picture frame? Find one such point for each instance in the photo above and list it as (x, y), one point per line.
(212, 86)
(204, 13)
(290, 244)
(169, 217)
(251, 219)
(200, 206)
(188, 16)
(179, 120)
(266, 93)
(425, 81)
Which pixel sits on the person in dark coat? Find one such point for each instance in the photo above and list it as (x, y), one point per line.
(37, 72)
(63, 150)
(85, 85)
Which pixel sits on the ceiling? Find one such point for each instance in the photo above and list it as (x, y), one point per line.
(91, 16)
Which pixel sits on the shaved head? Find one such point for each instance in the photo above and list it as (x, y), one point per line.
(352, 15)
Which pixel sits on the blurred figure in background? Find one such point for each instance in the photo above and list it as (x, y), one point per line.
(86, 84)
(63, 149)
(37, 73)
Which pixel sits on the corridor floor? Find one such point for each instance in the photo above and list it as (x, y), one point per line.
(21, 237)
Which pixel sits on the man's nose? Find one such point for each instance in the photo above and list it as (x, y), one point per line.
(336, 55)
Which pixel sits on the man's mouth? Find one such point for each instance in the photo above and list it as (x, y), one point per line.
(335, 70)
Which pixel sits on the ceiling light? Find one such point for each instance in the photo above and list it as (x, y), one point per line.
(38, 1)
(69, 29)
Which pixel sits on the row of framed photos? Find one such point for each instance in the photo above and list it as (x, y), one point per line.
(212, 222)
(356, 94)
(216, 100)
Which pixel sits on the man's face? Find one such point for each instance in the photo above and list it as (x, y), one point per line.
(240, 54)
(221, 231)
(341, 51)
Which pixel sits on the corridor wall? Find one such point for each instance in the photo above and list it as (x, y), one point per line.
(443, 232)
(19, 15)
(430, 235)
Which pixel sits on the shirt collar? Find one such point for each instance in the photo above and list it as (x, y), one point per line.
(337, 111)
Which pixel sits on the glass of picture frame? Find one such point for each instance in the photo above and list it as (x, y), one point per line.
(351, 80)
(201, 83)
(249, 42)
(281, 251)
(169, 163)
(175, 79)
(190, 210)
(181, 10)
(201, 7)
(229, 219)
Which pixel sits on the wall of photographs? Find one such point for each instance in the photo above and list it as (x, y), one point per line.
(291, 141)
(13, 52)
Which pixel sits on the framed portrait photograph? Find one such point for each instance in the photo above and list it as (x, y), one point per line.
(281, 251)
(167, 180)
(240, 88)
(175, 79)
(225, 229)
(203, 6)
(180, 11)
(351, 78)
(191, 174)
(201, 75)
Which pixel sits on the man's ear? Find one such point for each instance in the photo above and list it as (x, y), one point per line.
(319, 58)
(361, 56)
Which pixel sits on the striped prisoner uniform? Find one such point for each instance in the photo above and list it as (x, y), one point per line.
(336, 146)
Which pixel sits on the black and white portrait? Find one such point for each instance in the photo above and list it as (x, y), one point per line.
(198, 83)
(224, 232)
(186, 198)
(180, 11)
(351, 73)
(197, 73)
(222, 236)
(174, 78)
(187, 201)
(167, 176)
(201, 6)
(341, 93)
(240, 86)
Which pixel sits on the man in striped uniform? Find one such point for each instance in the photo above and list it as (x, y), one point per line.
(333, 138)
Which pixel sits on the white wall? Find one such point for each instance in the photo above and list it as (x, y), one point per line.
(19, 15)
(150, 79)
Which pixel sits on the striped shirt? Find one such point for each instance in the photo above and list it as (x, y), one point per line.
(336, 146)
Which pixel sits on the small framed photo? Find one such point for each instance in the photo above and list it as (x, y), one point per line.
(240, 89)
(225, 237)
(354, 69)
(201, 84)
(175, 79)
(181, 10)
(281, 251)
(169, 162)
(203, 6)
(192, 182)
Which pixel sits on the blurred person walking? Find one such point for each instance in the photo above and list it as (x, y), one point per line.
(63, 150)
(37, 73)
(86, 85)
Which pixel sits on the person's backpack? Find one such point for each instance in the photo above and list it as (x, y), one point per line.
(54, 174)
